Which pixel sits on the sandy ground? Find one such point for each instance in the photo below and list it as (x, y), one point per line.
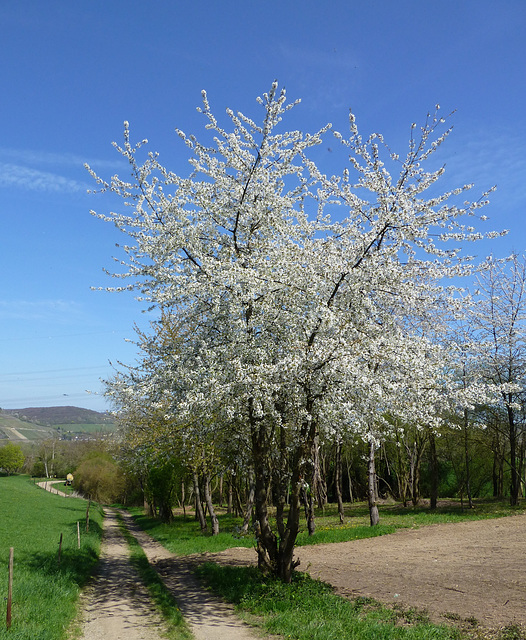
(469, 569)
(116, 606)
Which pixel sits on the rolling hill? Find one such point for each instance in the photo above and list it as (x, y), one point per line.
(41, 423)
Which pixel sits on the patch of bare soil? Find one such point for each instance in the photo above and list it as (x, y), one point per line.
(469, 570)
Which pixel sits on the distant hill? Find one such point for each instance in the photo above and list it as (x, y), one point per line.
(51, 416)
(41, 423)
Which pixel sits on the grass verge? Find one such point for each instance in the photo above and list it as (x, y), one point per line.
(45, 592)
(177, 629)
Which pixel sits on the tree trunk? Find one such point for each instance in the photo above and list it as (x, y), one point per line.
(198, 506)
(266, 541)
(348, 466)
(250, 503)
(183, 498)
(433, 465)
(498, 467)
(208, 498)
(165, 512)
(374, 516)
(221, 490)
(319, 486)
(338, 480)
(520, 467)
(415, 475)
(229, 497)
(277, 556)
(514, 484)
(148, 507)
(281, 482)
(466, 459)
(495, 475)
(402, 472)
(308, 505)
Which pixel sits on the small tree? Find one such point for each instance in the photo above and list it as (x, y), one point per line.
(11, 458)
(99, 477)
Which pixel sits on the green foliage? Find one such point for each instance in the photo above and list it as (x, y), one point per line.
(11, 458)
(511, 632)
(308, 609)
(160, 487)
(100, 477)
(45, 592)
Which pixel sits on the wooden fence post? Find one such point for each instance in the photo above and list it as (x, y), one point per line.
(60, 549)
(87, 517)
(10, 587)
(78, 534)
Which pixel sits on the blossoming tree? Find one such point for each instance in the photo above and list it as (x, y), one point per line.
(303, 292)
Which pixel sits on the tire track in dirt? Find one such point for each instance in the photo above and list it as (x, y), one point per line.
(208, 617)
(117, 606)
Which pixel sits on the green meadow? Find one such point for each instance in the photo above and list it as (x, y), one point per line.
(45, 590)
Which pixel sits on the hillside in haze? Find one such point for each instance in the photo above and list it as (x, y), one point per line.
(41, 423)
(51, 416)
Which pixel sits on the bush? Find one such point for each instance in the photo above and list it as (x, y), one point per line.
(99, 477)
(11, 458)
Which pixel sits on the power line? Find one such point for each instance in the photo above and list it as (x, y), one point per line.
(65, 370)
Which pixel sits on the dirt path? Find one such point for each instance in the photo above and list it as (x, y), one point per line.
(116, 605)
(209, 618)
(467, 569)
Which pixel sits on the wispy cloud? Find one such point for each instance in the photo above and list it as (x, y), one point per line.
(321, 59)
(58, 311)
(337, 72)
(50, 158)
(15, 175)
(489, 159)
(49, 171)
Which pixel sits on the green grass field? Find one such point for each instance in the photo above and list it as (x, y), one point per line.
(45, 592)
(86, 428)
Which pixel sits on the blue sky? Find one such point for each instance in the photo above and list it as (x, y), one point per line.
(72, 72)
